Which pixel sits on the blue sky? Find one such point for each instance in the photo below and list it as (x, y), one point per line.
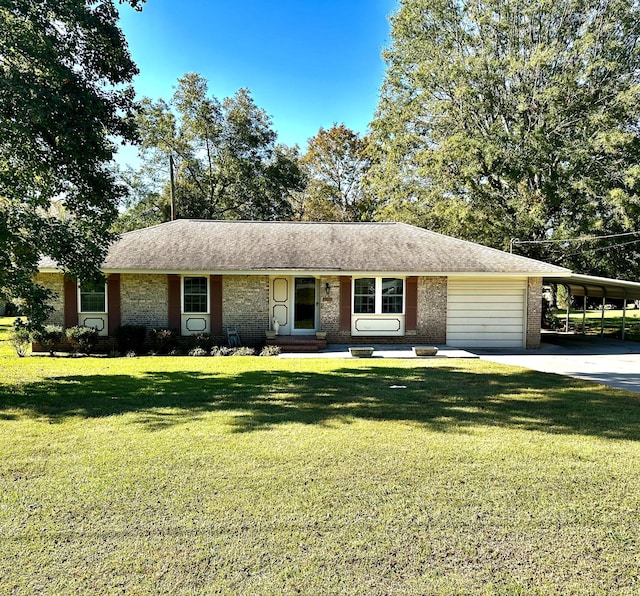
(308, 63)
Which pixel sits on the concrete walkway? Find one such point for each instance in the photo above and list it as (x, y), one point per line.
(607, 361)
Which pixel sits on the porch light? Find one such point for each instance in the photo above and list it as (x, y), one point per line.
(327, 289)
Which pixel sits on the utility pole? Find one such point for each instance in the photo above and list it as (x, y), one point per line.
(173, 188)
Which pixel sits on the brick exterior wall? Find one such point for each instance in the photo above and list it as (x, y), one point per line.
(245, 307)
(55, 283)
(534, 312)
(432, 314)
(329, 315)
(432, 310)
(144, 300)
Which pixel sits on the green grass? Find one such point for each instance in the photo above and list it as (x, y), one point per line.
(266, 476)
(5, 327)
(612, 322)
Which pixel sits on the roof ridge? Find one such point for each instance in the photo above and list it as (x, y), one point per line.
(282, 221)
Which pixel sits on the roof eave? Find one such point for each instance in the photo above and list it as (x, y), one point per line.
(325, 272)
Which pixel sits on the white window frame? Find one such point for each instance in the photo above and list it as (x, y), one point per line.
(208, 302)
(378, 295)
(87, 312)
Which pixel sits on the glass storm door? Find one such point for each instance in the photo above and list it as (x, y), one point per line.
(304, 304)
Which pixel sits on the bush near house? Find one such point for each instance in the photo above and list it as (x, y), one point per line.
(163, 341)
(131, 338)
(202, 341)
(50, 337)
(83, 339)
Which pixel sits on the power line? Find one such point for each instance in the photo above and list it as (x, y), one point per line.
(602, 248)
(515, 241)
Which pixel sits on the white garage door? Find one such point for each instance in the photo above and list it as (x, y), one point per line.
(486, 313)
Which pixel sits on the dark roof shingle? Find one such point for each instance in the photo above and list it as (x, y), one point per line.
(203, 245)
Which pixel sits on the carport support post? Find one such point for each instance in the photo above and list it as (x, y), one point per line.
(604, 298)
(624, 314)
(584, 312)
(566, 322)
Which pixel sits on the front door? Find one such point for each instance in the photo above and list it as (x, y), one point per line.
(293, 304)
(304, 304)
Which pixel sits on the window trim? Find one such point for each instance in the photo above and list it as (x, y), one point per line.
(208, 294)
(377, 311)
(93, 312)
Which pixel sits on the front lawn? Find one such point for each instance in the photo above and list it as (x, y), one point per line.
(250, 475)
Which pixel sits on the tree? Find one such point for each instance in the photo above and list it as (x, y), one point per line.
(227, 164)
(502, 119)
(335, 163)
(64, 95)
(143, 204)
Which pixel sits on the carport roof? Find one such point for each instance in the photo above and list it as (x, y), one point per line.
(596, 287)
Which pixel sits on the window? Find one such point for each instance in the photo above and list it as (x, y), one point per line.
(196, 295)
(392, 295)
(378, 295)
(364, 295)
(93, 297)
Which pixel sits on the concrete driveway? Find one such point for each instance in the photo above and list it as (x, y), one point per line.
(607, 361)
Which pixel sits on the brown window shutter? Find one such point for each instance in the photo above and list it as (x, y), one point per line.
(70, 302)
(175, 308)
(345, 303)
(411, 304)
(113, 301)
(215, 303)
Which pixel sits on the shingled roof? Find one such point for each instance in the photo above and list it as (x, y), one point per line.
(188, 245)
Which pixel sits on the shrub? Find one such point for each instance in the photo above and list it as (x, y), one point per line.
(163, 341)
(20, 338)
(203, 341)
(270, 351)
(130, 338)
(244, 351)
(50, 337)
(221, 351)
(83, 339)
(198, 352)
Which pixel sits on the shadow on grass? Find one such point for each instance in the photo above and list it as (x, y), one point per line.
(443, 398)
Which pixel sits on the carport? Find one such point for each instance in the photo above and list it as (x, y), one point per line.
(589, 286)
